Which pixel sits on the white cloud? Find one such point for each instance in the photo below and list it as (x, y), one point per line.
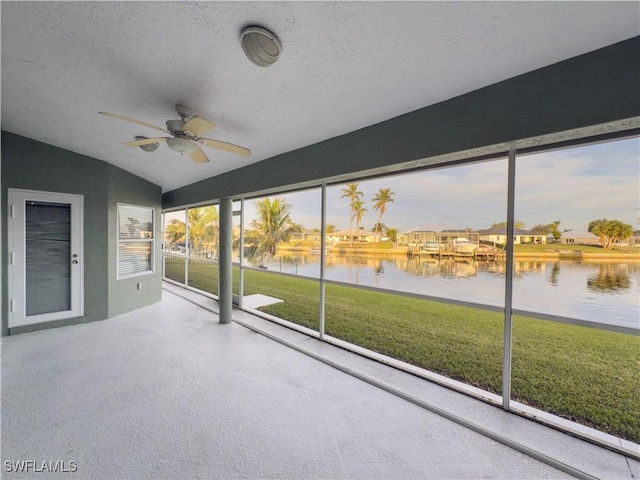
(580, 184)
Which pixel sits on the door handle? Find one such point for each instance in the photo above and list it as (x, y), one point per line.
(74, 261)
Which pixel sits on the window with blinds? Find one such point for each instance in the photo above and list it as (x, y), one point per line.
(135, 240)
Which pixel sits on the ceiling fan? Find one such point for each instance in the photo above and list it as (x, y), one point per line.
(186, 135)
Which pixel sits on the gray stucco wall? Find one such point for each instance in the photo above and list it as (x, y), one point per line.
(29, 164)
(124, 294)
(596, 88)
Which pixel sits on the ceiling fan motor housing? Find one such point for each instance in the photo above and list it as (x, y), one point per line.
(175, 125)
(183, 111)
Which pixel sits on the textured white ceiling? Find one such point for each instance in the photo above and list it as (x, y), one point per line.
(344, 66)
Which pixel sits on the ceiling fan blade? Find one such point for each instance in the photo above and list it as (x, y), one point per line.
(133, 120)
(199, 156)
(227, 147)
(198, 126)
(144, 141)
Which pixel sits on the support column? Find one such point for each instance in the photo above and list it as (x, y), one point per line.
(508, 299)
(225, 270)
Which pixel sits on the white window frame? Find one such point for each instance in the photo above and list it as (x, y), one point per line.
(150, 241)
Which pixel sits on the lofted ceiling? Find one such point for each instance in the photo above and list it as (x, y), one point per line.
(344, 66)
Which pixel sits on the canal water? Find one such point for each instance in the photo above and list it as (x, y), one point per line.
(600, 291)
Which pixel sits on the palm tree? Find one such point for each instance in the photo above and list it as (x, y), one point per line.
(174, 232)
(379, 227)
(203, 228)
(352, 193)
(357, 207)
(381, 198)
(273, 226)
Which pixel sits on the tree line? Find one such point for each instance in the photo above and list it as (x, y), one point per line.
(609, 232)
(274, 224)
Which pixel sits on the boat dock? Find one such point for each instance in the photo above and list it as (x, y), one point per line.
(481, 253)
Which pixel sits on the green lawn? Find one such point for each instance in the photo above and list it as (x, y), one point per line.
(587, 375)
(174, 268)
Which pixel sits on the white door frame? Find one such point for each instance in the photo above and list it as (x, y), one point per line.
(17, 260)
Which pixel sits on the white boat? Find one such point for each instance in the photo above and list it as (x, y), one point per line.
(464, 246)
(430, 247)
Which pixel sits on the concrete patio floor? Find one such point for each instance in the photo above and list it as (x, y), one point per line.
(168, 392)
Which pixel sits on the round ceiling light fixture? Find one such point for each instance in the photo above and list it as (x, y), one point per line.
(261, 47)
(182, 145)
(149, 147)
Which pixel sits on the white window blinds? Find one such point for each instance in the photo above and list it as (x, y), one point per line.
(135, 240)
(48, 257)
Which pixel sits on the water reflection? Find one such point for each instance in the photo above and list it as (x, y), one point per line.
(603, 291)
(446, 268)
(610, 278)
(520, 267)
(554, 273)
(378, 268)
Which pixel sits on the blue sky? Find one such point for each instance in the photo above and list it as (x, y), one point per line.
(573, 185)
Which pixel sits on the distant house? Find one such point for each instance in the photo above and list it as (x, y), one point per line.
(450, 234)
(498, 236)
(417, 235)
(446, 235)
(587, 238)
(580, 237)
(306, 234)
(351, 236)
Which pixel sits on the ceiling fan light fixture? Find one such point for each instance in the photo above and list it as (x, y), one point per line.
(149, 147)
(261, 47)
(182, 145)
